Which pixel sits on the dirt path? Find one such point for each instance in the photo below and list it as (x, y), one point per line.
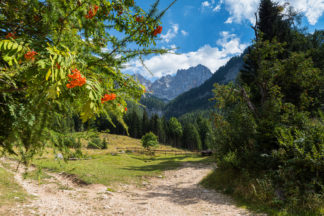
(176, 193)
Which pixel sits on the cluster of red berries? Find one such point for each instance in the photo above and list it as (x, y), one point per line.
(139, 19)
(76, 79)
(108, 97)
(11, 35)
(92, 13)
(30, 55)
(157, 30)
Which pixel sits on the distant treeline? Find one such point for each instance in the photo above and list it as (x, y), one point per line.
(192, 132)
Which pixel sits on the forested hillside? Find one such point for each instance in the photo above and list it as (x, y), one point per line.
(198, 98)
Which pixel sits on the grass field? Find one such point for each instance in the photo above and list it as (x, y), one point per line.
(122, 168)
(116, 142)
(110, 167)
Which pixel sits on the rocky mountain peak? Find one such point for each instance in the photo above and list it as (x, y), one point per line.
(169, 87)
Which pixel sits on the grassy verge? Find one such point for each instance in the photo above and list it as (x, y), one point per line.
(10, 192)
(252, 193)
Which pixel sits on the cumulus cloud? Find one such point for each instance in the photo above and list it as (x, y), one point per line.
(241, 10)
(171, 33)
(211, 57)
(244, 10)
(313, 9)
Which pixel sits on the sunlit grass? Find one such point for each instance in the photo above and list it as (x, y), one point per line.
(10, 192)
(111, 167)
(122, 168)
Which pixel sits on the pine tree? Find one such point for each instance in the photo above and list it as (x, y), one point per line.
(191, 139)
(175, 131)
(205, 131)
(145, 123)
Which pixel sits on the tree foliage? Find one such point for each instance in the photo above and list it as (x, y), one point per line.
(270, 122)
(149, 141)
(54, 59)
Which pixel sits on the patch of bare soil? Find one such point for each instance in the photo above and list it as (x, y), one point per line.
(176, 193)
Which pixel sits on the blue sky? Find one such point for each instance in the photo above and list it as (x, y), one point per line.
(210, 32)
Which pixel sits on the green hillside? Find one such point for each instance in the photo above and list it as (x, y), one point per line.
(198, 98)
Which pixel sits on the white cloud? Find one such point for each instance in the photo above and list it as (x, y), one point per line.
(171, 33)
(217, 8)
(212, 5)
(245, 10)
(184, 33)
(205, 4)
(211, 57)
(313, 9)
(229, 20)
(241, 10)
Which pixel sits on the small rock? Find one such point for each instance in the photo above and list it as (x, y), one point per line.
(59, 156)
(104, 196)
(109, 193)
(160, 176)
(107, 207)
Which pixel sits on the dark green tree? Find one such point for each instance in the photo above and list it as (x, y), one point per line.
(145, 123)
(175, 131)
(191, 139)
(206, 132)
(149, 141)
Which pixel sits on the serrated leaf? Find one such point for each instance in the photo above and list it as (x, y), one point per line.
(9, 46)
(59, 59)
(19, 48)
(55, 74)
(58, 91)
(5, 44)
(48, 74)
(41, 64)
(91, 95)
(10, 62)
(61, 73)
(92, 105)
(15, 46)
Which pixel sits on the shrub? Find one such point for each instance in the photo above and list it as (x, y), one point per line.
(71, 142)
(149, 141)
(104, 144)
(95, 143)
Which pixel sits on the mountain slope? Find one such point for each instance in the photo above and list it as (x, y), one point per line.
(169, 87)
(153, 105)
(198, 98)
